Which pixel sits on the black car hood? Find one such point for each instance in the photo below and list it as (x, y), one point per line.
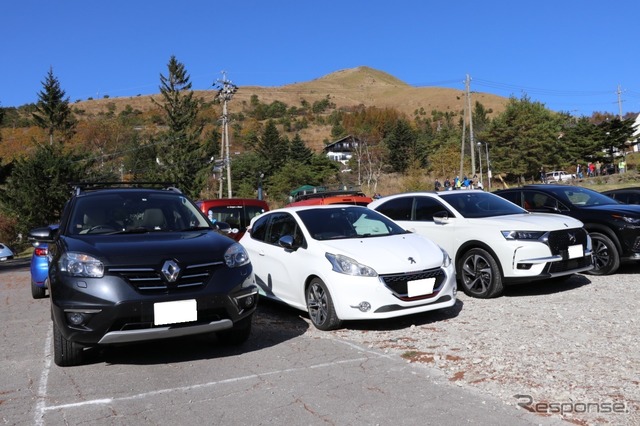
(150, 248)
(627, 209)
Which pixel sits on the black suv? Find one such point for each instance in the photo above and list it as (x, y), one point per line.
(614, 227)
(131, 264)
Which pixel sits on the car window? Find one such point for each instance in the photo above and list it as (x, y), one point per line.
(585, 197)
(514, 197)
(236, 216)
(112, 213)
(479, 204)
(259, 228)
(281, 224)
(397, 208)
(427, 207)
(347, 222)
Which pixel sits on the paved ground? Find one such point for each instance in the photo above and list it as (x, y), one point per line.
(283, 375)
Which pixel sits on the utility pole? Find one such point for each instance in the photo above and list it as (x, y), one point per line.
(226, 90)
(471, 142)
(619, 102)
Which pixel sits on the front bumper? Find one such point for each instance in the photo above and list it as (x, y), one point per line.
(110, 310)
(366, 298)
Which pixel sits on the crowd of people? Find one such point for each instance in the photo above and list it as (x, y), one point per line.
(457, 183)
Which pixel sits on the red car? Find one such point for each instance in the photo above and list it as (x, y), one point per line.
(237, 212)
(353, 197)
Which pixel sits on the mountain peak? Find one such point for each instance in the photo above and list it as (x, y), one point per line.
(361, 76)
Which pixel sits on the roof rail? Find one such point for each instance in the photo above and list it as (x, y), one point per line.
(79, 187)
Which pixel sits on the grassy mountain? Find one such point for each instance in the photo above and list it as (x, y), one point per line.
(345, 88)
(349, 87)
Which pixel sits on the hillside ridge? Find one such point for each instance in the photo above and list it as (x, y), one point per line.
(349, 87)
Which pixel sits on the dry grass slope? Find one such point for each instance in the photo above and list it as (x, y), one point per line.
(347, 88)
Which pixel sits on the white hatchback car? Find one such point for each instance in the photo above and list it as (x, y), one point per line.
(492, 241)
(342, 262)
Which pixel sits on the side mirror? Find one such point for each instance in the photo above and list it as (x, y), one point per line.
(42, 235)
(286, 242)
(441, 217)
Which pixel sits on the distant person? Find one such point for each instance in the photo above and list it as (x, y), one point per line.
(447, 184)
(543, 175)
(622, 166)
(466, 183)
(437, 185)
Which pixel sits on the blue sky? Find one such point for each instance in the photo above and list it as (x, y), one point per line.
(570, 55)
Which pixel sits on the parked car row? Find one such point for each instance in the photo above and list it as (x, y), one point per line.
(136, 264)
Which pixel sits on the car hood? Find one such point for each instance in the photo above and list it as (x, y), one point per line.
(529, 222)
(151, 248)
(627, 209)
(389, 254)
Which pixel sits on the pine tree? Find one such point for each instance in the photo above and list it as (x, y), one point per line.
(182, 159)
(299, 151)
(52, 110)
(41, 180)
(272, 147)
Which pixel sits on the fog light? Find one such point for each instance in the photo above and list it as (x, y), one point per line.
(248, 301)
(364, 306)
(525, 266)
(75, 318)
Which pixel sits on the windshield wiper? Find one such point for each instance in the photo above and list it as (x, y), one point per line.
(196, 228)
(138, 230)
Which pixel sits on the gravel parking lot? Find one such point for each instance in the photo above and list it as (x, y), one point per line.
(565, 349)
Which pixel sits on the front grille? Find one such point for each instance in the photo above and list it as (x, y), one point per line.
(151, 279)
(569, 265)
(559, 241)
(397, 283)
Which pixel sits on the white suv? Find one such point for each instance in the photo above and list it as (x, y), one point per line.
(492, 241)
(559, 176)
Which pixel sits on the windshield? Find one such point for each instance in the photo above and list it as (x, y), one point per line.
(582, 197)
(347, 222)
(237, 216)
(479, 204)
(110, 213)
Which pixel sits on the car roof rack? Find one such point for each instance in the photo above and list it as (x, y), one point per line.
(80, 187)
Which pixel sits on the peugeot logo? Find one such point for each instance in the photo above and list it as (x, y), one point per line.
(411, 260)
(170, 270)
(572, 237)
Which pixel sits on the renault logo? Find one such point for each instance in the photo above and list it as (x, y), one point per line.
(411, 260)
(170, 270)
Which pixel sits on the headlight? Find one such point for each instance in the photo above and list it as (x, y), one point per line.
(81, 265)
(522, 235)
(346, 265)
(632, 220)
(236, 256)
(446, 259)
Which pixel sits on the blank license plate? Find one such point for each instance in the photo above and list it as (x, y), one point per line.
(420, 287)
(175, 312)
(576, 251)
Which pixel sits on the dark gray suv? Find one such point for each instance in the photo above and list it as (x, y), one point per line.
(134, 264)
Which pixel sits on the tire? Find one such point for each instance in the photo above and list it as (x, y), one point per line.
(37, 292)
(322, 313)
(606, 258)
(237, 335)
(479, 275)
(65, 353)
